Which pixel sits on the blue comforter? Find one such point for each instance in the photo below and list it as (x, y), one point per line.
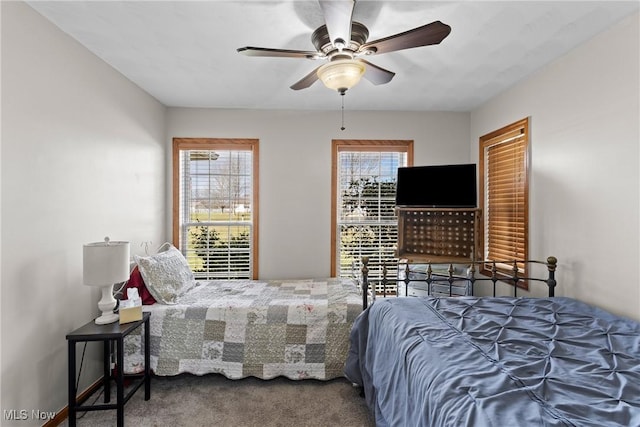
(500, 362)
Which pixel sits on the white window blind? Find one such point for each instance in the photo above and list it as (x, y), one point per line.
(366, 223)
(217, 212)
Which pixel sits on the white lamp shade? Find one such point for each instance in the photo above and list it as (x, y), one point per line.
(341, 74)
(105, 263)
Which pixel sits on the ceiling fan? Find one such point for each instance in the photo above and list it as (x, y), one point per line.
(343, 42)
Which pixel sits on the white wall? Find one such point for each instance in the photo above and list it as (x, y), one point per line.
(83, 157)
(295, 169)
(585, 136)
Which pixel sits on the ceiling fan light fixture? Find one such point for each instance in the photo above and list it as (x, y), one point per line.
(342, 74)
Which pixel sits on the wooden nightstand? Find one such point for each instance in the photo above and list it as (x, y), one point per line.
(110, 333)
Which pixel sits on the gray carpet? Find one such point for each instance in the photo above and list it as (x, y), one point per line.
(213, 400)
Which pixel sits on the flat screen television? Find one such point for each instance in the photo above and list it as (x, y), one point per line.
(446, 186)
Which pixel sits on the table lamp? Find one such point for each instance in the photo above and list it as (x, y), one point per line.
(105, 264)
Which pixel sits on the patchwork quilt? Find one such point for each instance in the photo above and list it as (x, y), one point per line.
(298, 329)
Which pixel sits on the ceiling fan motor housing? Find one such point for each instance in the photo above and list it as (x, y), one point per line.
(322, 42)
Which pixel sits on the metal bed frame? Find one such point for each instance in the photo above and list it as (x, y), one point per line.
(496, 275)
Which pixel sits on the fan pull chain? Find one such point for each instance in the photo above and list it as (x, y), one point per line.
(342, 94)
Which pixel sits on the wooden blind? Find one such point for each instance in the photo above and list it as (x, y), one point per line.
(504, 193)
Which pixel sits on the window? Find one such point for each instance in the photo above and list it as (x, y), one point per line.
(215, 206)
(363, 185)
(504, 193)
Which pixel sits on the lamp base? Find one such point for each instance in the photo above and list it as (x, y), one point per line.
(106, 305)
(105, 319)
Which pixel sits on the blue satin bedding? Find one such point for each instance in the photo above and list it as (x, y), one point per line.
(499, 362)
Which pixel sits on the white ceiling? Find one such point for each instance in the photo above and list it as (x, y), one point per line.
(184, 53)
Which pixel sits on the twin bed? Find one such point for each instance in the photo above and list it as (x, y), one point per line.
(495, 361)
(427, 361)
(298, 329)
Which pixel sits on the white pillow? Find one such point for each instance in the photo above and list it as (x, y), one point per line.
(166, 274)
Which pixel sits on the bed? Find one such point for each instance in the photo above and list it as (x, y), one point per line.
(496, 361)
(298, 329)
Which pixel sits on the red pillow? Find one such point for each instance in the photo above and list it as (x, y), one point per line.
(136, 281)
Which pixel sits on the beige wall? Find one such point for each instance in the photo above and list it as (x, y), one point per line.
(295, 169)
(82, 157)
(585, 138)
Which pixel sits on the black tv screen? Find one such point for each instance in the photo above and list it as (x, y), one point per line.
(447, 186)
